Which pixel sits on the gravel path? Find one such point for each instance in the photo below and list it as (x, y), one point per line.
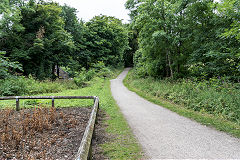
(166, 135)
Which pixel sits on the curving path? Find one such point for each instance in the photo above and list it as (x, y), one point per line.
(166, 135)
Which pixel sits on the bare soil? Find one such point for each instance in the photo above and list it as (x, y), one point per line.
(42, 133)
(100, 137)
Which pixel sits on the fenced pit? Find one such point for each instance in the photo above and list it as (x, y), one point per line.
(47, 132)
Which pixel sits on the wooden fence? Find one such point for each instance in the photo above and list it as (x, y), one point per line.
(17, 98)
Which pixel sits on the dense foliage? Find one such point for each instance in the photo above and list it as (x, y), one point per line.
(179, 38)
(7, 68)
(42, 35)
(39, 40)
(107, 40)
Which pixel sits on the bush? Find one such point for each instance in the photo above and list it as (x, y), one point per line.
(84, 76)
(29, 86)
(105, 72)
(80, 80)
(13, 86)
(101, 70)
(98, 70)
(90, 74)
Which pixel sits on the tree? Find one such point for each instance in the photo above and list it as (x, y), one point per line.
(42, 41)
(179, 38)
(158, 38)
(231, 8)
(107, 40)
(78, 30)
(212, 55)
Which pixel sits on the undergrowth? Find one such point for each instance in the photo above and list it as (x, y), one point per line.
(29, 86)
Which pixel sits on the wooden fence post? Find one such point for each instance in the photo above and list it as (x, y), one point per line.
(52, 102)
(17, 104)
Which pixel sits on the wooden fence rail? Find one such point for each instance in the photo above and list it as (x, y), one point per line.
(85, 149)
(17, 98)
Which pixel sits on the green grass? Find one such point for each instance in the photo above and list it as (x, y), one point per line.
(144, 88)
(123, 145)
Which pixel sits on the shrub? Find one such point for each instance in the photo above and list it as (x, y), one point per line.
(29, 86)
(13, 86)
(102, 70)
(99, 70)
(105, 72)
(90, 74)
(84, 76)
(80, 80)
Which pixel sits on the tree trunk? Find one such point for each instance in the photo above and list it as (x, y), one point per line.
(167, 68)
(169, 64)
(57, 71)
(53, 71)
(179, 53)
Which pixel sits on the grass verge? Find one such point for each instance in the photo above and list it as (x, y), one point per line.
(124, 145)
(218, 123)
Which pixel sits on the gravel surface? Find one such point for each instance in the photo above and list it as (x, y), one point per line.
(166, 135)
